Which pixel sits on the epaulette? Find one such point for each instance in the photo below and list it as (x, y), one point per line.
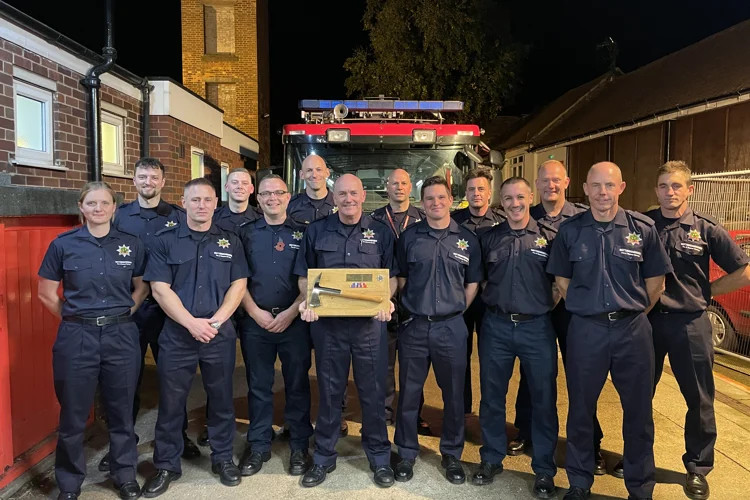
(296, 222)
(294, 197)
(411, 227)
(705, 217)
(641, 217)
(582, 206)
(166, 228)
(128, 233)
(570, 219)
(378, 221)
(547, 226)
(70, 231)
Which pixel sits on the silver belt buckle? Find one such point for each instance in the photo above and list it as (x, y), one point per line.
(611, 317)
(100, 320)
(275, 311)
(513, 317)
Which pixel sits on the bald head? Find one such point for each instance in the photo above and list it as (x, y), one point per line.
(348, 195)
(398, 187)
(603, 187)
(346, 182)
(314, 172)
(551, 182)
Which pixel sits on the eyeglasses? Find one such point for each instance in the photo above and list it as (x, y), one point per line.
(267, 194)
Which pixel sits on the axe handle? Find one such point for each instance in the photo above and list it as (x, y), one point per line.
(359, 296)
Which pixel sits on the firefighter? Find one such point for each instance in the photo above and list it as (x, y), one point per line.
(198, 275)
(101, 270)
(478, 217)
(440, 270)
(609, 266)
(237, 212)
(398, 214)
(681, 328)
(272, 328)
(348, 239)
(551, 182)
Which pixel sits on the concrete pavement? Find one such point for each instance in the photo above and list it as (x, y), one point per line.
(352, 477)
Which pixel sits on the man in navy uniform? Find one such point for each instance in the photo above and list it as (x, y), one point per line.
(316, 201)
(440, 270)
(348, 239)
(681, 327)
(198, 275)
(272, 328)
(519, 295)
(145, 216)
(551, 182)
(478, 217)
(398, 214)
(609, 266)
(237, 212)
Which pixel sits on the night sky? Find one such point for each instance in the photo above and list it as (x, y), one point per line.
(310, 39)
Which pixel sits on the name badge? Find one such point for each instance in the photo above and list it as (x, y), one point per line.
(691, 248)
(628, 253)
(461, 257)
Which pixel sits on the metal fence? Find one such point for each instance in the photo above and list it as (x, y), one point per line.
(726, 196)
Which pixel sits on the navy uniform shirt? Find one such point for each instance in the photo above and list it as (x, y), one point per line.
(144, 222)
(271, 254)
(97, 277)
(400, 220)
(301, 207)
(437, 264)
(478, 225)
(515, 263)
(232, 221)
(329, 243)
(569, 209)
(607, 268)
(199, 271)
(691, 242)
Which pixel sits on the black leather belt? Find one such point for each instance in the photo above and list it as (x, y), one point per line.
(613, 316)
(514, 317)
(100, 320)
(434, 319)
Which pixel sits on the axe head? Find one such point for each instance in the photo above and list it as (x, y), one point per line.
(317, 290)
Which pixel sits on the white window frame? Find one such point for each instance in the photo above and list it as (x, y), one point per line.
(224, 176)
(202, 154)
(32, 157)
(118, 168)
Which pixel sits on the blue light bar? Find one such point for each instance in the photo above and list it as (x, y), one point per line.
(381, 105)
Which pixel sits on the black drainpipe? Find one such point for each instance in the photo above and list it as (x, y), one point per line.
(668, 140)
(146, 89)
(92, 82)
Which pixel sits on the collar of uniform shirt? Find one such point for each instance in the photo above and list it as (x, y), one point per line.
(587, 219)
(262, 222)
(531, 227)
(163, 208)
(424, 227)
(184, 231)
(84, 233)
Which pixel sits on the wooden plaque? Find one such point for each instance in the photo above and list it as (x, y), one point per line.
(370, 284)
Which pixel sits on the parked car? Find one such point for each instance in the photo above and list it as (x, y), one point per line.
(730, 313)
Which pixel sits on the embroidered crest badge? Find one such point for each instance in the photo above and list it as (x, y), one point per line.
(297, 235)
(335, 209)
(462, 244)
(540, 242)
(368, 234)
(170, 223)
(694, 235)
(633, 239)
(223, 243)
(123, 251)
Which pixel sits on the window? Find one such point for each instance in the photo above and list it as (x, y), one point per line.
(516, 167)
(224, 175)
(113, 144)
(196, 163)
(222, 95)
(218, 28)
(34, 125)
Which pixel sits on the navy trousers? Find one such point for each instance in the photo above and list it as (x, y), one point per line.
(180, 355)
(624, 348)
(560, 321)
(473, 319)
(363, 343)
(687, 339)
(390, 386)
(533, 343)
(444, 344)
(82, 356)
(259, 350)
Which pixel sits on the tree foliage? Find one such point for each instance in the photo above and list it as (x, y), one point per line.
(438, 50)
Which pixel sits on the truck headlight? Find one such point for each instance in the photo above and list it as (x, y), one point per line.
(424, 136)
(337, 135)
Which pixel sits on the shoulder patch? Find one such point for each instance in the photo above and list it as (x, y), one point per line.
(706, 217)
(166, 229)
(641, 217)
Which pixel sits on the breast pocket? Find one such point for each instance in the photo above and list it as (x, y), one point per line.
(455, 266)
(182, 263)
(78, 273)
(120, 270)
(581, 256)
(370, 255)
(220, 266)
(691, 251)
(327, 254)
(631, 254)
(496, 262)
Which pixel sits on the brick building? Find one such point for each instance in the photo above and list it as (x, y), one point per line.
(225, 60)
(44, 161)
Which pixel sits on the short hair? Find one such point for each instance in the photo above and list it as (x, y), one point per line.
(539, 168)
(149, 162)
(435, 180)
(479, 173)
(271, 176)
(515, 180)
(198, 181)
(239, 170)
(676, 167)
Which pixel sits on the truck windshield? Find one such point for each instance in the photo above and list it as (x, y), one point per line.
(373, 165)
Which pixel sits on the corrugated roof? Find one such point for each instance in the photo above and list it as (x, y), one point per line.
(715, 67)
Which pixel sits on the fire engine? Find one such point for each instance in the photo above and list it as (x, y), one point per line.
(371, 137)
